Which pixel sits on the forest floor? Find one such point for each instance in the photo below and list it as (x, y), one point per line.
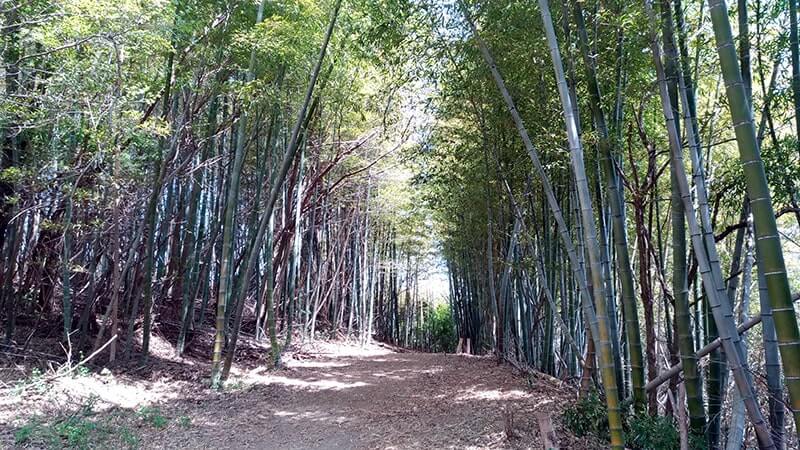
(327, 396)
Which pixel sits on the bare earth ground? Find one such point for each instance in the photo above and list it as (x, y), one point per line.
(328, 396)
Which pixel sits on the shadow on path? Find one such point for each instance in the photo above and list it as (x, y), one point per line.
(345, 397)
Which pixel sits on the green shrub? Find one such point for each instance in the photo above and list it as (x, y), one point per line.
(77, 431)
(129, 438)
(441, 329)
(698, 441)
(645, 432)
(587, 417)
(83, 428)
(27, 432)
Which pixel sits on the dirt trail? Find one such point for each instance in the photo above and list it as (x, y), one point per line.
(335, 397)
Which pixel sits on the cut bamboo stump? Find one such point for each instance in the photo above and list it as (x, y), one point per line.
(464, 346)
(548, 433)
(509, 422)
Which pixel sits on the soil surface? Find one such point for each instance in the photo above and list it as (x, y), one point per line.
(337, 396)
(342, 397)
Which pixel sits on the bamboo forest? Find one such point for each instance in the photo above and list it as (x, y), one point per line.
(392, 224)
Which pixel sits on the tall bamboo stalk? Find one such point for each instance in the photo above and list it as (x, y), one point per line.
(606, 363)
(224, 292)
(617, 203)
(547, 187)
(708, 261)
(767, 237)
(275, 189)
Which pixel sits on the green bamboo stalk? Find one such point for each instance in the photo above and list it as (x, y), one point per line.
(225, 291)
(606, 362)
(737, 420)
(707, 258)
(552, 202)
(294, 257)
(772, 365)
(490, 261)
(617, 202)
(794, 45)
(767, 237)
(694, 393)
(277, 182)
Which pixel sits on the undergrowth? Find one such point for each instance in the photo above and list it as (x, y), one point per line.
(153, 416)
(85, 428)
(440, 328)
(35, 383)
(589, 417)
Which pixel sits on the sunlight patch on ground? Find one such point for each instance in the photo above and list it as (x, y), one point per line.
(333, 350)
(544, 402)
(315, 364)
(315, 385)
(318, 416)
(491, 394)
(389, 375)
(121, 394)
(402, 374)
(104, 391)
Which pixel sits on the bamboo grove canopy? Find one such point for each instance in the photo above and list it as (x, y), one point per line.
(605, 191)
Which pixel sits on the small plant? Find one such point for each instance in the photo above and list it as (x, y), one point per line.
(76, 430)
(87, 408)
(184, 421)
(587, 417)
(234, 386)
(72, 431)
(153, 416)
(647, 432)
(27, 432)
(128, 438)
(82, 371)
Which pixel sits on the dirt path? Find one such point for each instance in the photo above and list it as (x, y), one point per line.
(336, 397)
(328, 396)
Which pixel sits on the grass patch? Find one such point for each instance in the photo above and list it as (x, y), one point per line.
(85, 428)
(73, 431)
(153, 416)
(128, 438)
